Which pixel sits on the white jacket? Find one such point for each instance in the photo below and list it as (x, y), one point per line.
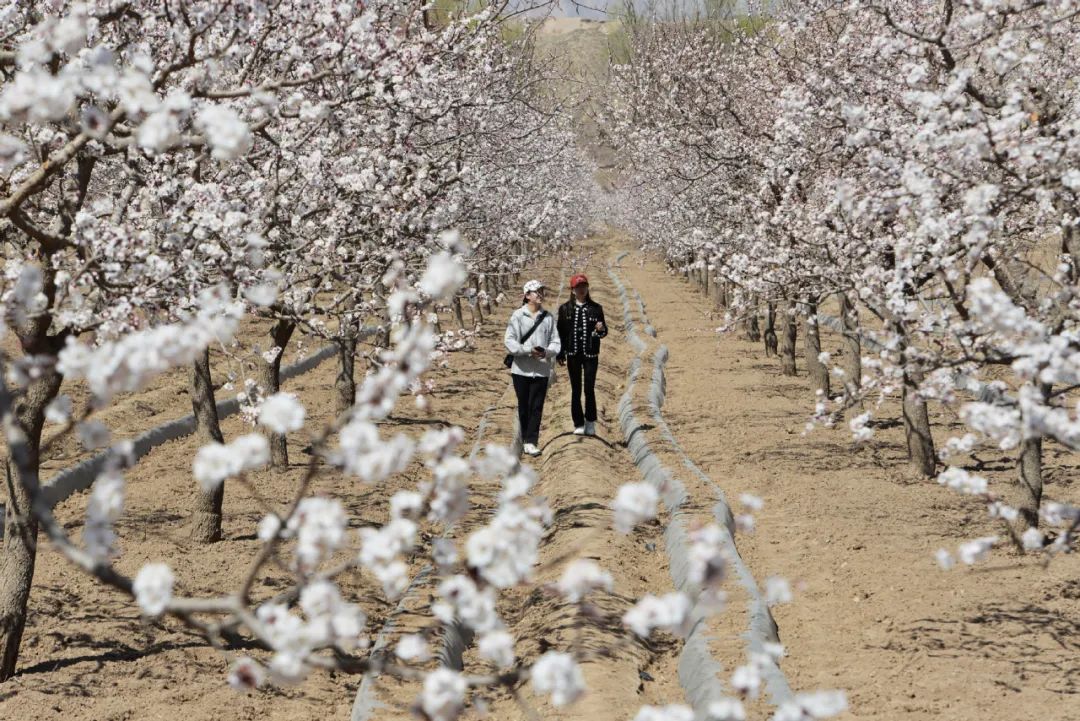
(545, 336)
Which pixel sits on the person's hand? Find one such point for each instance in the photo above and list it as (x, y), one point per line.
(539, 352)
(599, 326)
(561, 360)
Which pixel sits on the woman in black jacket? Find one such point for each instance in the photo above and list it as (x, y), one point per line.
(581, 326)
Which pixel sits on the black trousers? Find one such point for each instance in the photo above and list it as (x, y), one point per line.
(531, 393)
(578, 366)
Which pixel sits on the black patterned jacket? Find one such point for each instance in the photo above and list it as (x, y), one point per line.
(577, 328)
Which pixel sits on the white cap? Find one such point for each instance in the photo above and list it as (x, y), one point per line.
(532, 285)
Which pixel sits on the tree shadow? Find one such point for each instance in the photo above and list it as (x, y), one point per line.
(1041, 644)
(601, 439)
(399, 420)
(641, 428)
(116, 652)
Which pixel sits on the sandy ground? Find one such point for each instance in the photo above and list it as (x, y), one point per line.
(872, 612)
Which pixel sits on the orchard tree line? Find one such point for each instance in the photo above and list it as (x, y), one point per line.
(912, 164)
(170, 170)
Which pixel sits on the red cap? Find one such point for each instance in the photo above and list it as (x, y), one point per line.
(578, 279)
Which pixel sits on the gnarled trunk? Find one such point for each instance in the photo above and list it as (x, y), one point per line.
(20, 526)
(817, 371)
(920, 443)
(852, 350)
(459, 315)
(751, 327)
(270, 382)
(345, 383)
(206, 512)
(1031, 484)
(788, 338)
(771, 342)
(474, 308)
(479, 287)
(1031, 476)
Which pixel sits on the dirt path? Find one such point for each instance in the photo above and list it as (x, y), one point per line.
(578, 477)
(872, 612)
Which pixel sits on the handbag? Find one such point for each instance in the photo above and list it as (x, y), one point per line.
(508, 361)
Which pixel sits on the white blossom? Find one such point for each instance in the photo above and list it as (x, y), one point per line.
(975, 550)
(93, 434)
(558, 674)
(282, 413)
(443, 276)
(726, 709)
(153, 588)
(412, 647)
(497, 647)
(59, 409)
(665, 713)
(777, 590)
(581, 577)
(746, 679)
(215, 462)
(443, 695)
(319, 528)
(226, 133)
(670, 612)
(246, 673)
(1033, 539)
(811, 706)
(960, 480)
(634, 503)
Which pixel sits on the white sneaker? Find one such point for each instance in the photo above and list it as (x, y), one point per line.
(579, 431)
(590, 428)
(530, 449)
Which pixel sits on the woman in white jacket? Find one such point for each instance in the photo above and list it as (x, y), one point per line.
(533, 354)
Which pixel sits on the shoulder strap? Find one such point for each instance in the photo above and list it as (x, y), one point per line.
(536, 324)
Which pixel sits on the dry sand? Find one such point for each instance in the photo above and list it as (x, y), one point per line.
(872, 613)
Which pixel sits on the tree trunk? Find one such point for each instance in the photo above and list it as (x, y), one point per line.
(458, 313)
(478, 286)
(270, 382)
(20, 526)
(477, 314)
(345, 382)
(852, 351)
(206, 514)
(770, 330)
(920, 443)
(817, 371)
(753, 330)
(788, 338)
(1031, 476)
(1031, 484)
